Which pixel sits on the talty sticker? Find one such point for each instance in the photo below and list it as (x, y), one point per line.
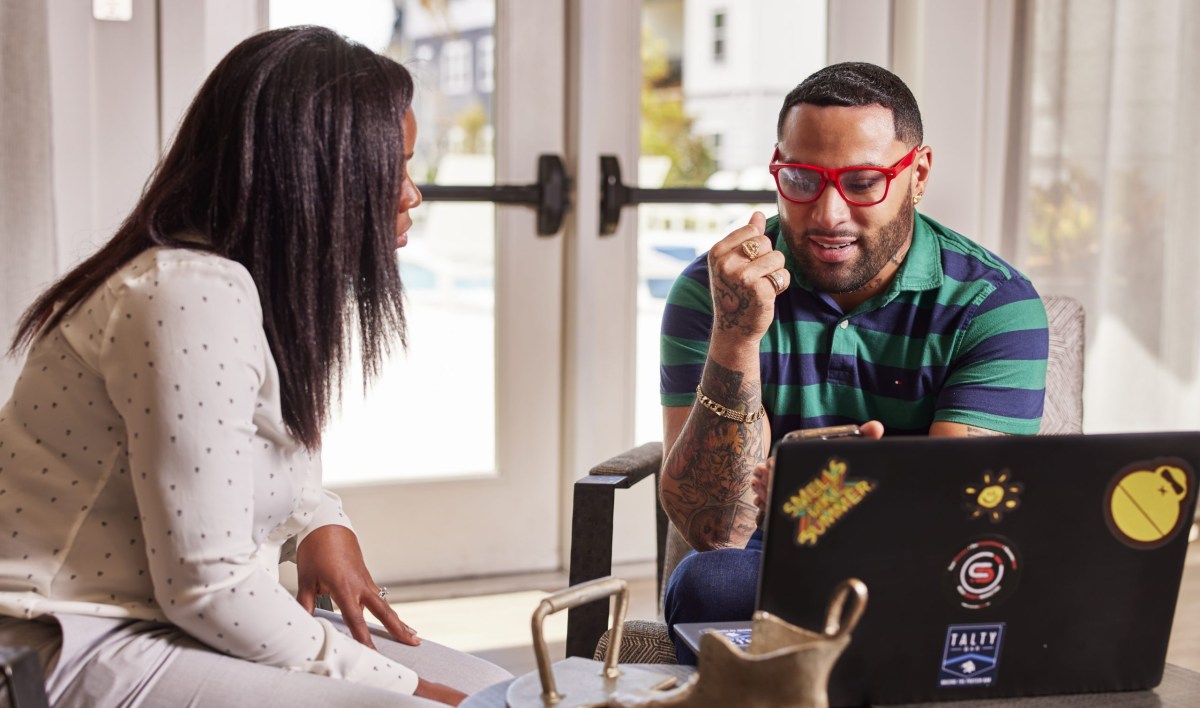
(995, 495)
(821, 503)
(1145, 502)
(972, 655)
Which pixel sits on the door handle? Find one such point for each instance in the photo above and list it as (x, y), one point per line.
(614, 195)
(548, 195)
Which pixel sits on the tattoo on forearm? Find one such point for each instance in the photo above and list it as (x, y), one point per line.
(712, 464)
(974, 432)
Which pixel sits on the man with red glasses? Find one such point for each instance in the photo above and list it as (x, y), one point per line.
(847, 307)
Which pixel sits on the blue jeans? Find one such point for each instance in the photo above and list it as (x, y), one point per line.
(712, 586)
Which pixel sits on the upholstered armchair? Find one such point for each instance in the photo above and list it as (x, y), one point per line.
(648, 641)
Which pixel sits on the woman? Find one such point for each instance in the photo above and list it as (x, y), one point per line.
(160, 450)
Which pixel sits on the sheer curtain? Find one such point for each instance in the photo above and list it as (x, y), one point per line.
(27, 238)
(1110, 197)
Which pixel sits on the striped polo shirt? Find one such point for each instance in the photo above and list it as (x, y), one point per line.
(958, 336)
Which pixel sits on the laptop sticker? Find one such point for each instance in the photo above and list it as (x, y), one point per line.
(983, 574)
(821, 503)
(993, 497)
(972, 655)
(1145, 502)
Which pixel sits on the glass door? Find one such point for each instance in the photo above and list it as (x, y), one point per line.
(711, 91)
(447, 467)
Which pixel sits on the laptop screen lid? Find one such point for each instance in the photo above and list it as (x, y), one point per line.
(1002, 566)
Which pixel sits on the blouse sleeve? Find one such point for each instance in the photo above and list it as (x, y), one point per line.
(183, 359)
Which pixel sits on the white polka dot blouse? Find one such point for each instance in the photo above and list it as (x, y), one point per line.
(145, 472)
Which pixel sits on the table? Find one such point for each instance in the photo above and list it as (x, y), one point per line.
(1180, 688)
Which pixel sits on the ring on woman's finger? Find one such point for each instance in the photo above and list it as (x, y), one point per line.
(750, 248)
(383, 592)
(776, 278)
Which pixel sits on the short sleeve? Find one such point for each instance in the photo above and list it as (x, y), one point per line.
(997, 379)
(686, 331)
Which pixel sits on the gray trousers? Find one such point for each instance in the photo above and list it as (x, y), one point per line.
(105, 662)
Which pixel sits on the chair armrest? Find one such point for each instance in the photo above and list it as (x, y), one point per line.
(592, 535)
(22, 676)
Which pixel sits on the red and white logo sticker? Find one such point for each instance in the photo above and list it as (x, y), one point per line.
(983, 574)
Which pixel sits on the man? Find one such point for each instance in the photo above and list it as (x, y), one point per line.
(848, 307)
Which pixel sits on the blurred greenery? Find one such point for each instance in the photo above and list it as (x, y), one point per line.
(1064, 221)
(666, 127)
(473, 120)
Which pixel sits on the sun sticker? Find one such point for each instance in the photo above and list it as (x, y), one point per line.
(995, 496)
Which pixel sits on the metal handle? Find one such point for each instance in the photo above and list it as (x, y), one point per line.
(600, 588)
(548, 195)
(614, 195)
(840, 620)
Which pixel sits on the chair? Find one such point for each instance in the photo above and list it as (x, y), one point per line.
(22, 678)
(648, 641)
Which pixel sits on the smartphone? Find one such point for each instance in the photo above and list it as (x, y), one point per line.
(831, 432)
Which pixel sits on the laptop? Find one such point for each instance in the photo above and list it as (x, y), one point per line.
(996, 567)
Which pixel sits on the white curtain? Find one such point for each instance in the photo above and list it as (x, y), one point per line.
(28, 250)
(1111, 197)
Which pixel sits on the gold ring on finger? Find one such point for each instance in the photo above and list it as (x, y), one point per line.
(776, 278)
(750, 248)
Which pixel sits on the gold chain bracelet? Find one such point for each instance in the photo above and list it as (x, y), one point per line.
(724, 412)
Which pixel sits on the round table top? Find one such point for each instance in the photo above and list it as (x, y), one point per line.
(1179, 689)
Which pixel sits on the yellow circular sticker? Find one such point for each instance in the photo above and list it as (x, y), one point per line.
(1145, 503)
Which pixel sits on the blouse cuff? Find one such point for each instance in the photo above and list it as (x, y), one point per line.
(346, 659)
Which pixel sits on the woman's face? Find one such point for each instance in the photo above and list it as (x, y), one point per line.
(410, 196)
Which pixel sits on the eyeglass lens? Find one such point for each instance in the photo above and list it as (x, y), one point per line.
(863, 187)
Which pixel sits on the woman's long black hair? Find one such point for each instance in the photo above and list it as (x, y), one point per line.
(290, 160)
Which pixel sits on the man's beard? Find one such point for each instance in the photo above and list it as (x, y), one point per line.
(874, 253)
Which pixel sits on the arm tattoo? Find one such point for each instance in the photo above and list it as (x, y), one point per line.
(712, 463)
(974, 432)
(730, 304)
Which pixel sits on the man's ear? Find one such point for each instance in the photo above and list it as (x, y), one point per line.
(922, 164)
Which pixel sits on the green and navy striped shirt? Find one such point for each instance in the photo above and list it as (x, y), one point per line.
(958, 336)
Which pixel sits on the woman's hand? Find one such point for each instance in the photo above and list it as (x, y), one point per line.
(329, 562)
(438, 692)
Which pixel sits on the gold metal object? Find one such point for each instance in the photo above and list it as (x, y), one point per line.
(776, 279)
(586, 682)
(750, 248)
(729, 413)
(784, 666)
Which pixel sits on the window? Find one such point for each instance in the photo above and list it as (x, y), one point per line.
(485, 60)
(719, 36)
(456, 67)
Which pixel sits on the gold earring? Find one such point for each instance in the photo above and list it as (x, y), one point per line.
(917, 198)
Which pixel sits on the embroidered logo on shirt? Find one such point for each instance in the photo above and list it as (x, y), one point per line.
(824, 501)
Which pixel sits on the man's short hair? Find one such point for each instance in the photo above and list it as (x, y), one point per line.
(856, 83)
